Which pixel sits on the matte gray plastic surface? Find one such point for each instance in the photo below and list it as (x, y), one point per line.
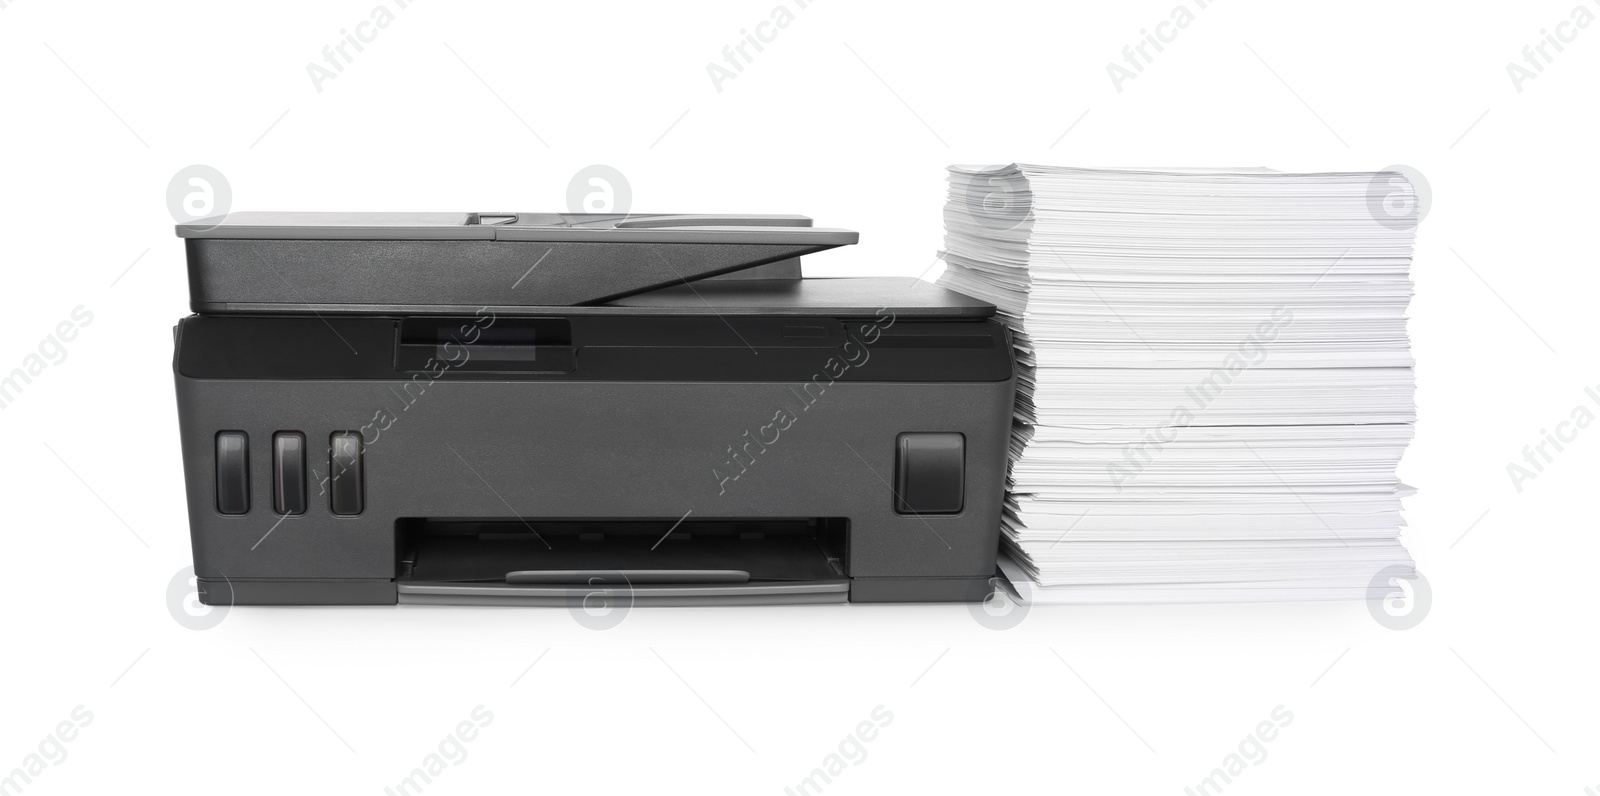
(920, 590)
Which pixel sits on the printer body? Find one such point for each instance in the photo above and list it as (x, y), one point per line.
(543, 409)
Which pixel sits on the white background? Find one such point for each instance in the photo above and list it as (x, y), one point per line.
(850, 116)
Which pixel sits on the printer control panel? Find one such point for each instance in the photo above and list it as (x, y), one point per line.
(344, 484)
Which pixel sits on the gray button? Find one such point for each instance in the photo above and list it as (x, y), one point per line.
(930, 473)
(233, 472)
(345, 473)
(289, 472)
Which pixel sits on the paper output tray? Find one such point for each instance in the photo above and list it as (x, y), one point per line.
(621, 563)
(786, 593)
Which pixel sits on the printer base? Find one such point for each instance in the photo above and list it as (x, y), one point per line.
(919, 590)
(295, 592)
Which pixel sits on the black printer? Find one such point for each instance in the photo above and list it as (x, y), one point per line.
(536, 408)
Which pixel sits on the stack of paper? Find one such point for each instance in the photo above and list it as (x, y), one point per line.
(1214, 381)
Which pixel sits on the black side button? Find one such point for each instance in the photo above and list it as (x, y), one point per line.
(289, 472)
(233, 472)
(345, 476)
(930, 473)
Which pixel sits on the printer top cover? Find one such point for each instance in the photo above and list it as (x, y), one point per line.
(520, 263)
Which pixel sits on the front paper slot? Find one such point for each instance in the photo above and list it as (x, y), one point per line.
(681, 551)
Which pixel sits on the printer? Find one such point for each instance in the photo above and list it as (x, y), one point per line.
(539, 408)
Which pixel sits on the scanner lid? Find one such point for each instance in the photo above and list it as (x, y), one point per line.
(418, 262)
(645, 228)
